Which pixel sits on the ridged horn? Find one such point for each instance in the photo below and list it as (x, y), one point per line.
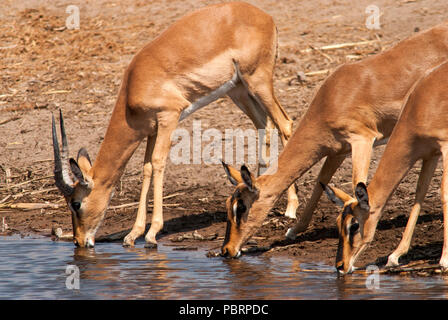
(61, 174)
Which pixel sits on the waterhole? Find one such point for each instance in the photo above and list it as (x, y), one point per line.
(37, 268)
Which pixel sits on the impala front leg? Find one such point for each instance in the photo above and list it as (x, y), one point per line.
(428, 168)
(166, 124)
(331, 164)
(444, 195)
(140, 222)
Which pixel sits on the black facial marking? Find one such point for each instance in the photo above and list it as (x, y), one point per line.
(347, 210)
(237, 194)
(354, 228)
(240, 207)
(76, 205)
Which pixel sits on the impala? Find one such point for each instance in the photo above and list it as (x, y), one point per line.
(420, 133)
(354, 110)
(220, 49)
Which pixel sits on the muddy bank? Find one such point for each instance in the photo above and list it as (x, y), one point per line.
(45, 67)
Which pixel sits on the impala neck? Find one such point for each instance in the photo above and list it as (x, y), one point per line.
(119, 144)
(397, 159)
(300, 153)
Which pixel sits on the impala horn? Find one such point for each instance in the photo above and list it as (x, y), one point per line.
(61, 174)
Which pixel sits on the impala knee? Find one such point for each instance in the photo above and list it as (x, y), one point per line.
(288, 130)
(147, 171)
(158, 165)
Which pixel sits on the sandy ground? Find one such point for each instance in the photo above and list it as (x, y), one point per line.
(45, 67)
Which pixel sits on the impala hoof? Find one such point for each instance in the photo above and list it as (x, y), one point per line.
(392, 261)
(290, 234)
(128, 245)
(150, 245)
(128, 241)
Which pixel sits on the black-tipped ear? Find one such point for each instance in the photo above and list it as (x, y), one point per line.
(247, 177)
(83, 153)
(331, 195)
(230, 173)
(76, 170)
(362, 196)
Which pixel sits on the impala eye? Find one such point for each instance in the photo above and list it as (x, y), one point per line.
(240, 207)
(354, 228)
(76, 205)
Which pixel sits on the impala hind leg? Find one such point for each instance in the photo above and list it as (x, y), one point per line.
(331, 164)
(260, 119)
(428, 168)
(444, 195)
(166, 124)
(261, 90)
(140, 222)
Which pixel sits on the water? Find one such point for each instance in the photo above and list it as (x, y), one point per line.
(36, 269)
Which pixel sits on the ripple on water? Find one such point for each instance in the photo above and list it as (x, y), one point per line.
(35, 269)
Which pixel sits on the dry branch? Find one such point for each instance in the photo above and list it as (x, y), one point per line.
(317, 73)
(57, 91)
(321, 53)
(29, 206)
(19, 195)
(423, 267)
(340, 46)
(29, 181)
(135, 204)
(9, 120)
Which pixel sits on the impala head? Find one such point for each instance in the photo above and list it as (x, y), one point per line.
(351, 224)
(76, 184)
(238, 206)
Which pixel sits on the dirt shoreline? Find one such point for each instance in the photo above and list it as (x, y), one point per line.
(46, 67)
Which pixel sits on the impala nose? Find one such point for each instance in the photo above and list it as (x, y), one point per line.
(90, 243)
(226, 252)
(340, 267)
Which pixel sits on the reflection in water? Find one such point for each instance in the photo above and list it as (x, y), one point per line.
(35, 268)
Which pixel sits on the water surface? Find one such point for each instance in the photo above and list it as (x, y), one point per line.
(36, 269)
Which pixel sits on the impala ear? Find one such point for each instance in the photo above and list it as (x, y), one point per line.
(247, 178)
(362, 196)
(81, 177)
(76, 170)
(337, 196)
(83, 161)
(233, 174)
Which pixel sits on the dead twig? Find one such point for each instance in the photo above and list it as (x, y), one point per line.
(29, 181)
(321, 53)
(135, 204)
(57, 91)
(340, 46)
(19, 195)
(9, 120)
(29, 206)
(317, 73)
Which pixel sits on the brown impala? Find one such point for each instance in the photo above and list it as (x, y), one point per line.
(220, 49)
(421, 133)
(355, 109)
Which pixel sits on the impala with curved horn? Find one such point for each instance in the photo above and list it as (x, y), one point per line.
(355, 109)
(225, 49)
